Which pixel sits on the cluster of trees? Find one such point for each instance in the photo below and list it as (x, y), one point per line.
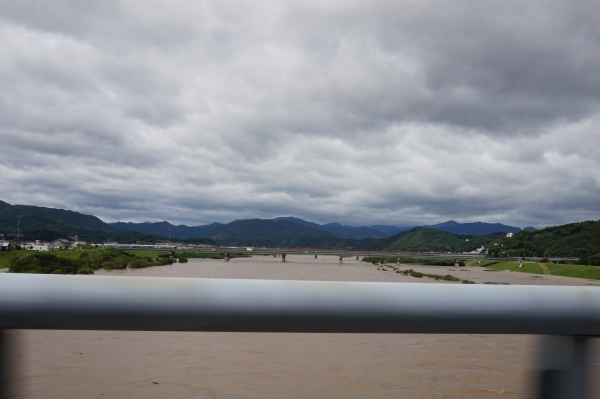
(12, 246)
(593, 260)
(109, 259)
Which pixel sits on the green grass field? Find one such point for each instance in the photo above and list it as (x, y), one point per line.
(552, 267)
(6, 256)
(513, 266)
(482, 263)
(579, 271)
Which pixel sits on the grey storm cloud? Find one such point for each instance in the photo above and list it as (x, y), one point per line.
(351, 111)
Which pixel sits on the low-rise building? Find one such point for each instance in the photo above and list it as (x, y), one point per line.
(59, 243)
(40, 246)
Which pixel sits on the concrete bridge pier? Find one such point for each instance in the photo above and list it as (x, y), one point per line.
(456, 263)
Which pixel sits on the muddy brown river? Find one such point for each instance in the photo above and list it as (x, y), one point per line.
(115, 364)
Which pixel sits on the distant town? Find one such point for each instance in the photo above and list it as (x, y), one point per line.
(74, 243)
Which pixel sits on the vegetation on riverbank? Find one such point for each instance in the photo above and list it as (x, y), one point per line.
(6, 257)
(86, 262)
(562, 269)
(414, 273)
(412, 261)
(186, 254)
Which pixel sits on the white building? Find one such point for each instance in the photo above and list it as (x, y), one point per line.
(40, 246)
(509, 235)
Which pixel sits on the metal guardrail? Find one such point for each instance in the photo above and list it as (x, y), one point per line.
(179, 304)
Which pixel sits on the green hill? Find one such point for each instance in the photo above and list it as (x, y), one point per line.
(73, 218)
(428, 239)
(574, 239)
(9, 218)
(47, 224)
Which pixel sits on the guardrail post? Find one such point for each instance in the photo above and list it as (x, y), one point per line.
(6, 391)
(565, 368)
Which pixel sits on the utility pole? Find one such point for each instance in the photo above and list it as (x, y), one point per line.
(19, 226)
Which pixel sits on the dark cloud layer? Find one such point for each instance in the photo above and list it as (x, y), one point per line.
(357, 112)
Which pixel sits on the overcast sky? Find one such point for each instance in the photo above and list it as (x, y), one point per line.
(366, 112)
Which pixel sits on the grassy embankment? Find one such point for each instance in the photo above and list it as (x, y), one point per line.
(566, 270)
(513, 266)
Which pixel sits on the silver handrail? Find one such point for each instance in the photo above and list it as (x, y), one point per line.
(182, 304)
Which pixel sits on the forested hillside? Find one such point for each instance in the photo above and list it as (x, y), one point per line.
(574, 239)
(74, 218)
(37, 223)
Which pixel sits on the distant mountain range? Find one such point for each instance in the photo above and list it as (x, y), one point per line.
(295, 227)
(283, 232)
(477, 228)
(247, 228)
